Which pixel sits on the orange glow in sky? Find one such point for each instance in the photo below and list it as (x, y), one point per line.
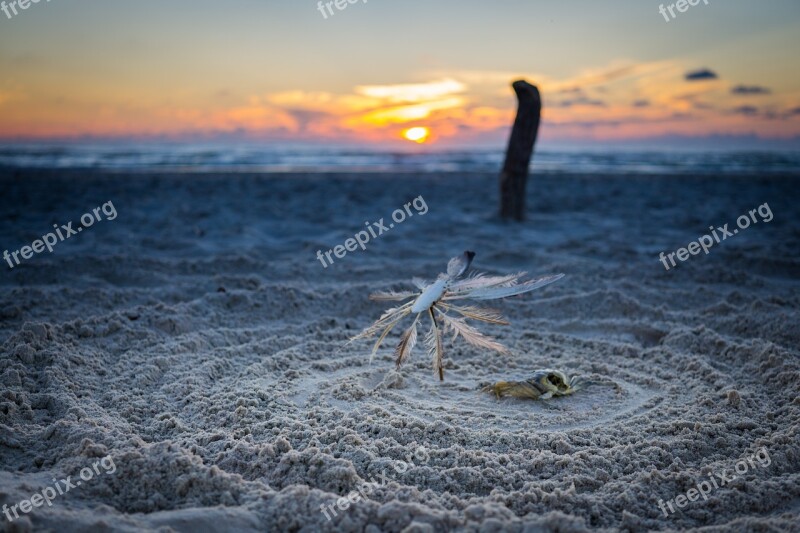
(107, 70)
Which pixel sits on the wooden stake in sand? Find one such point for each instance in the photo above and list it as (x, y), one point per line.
(520, 148)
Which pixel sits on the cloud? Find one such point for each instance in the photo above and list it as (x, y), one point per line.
(256, 117)
(702, 74)
(782, 115)
(747, 110)
(410, 113)
(592, 78)
(599, 77)
(750, 89)
(332, 104)
(612, 101)
(581, 100)
(792, 113)
(585, 124)
(410, 93)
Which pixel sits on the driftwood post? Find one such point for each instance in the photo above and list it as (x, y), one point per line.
(520, 148)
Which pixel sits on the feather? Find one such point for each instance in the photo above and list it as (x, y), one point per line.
(476, 313)
(494, 293)
(429, 296)
(435, 297)
(377, 345)
(430, 344)
(471, 335)
(382, 296)
(430, 341)
(435, 349)
(407, 342)
(459, 264)
(420, 283)
(480, 281)
(388, 317)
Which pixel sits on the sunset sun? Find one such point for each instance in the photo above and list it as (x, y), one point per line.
(418, 134)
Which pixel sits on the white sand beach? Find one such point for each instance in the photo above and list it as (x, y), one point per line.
(197, 341)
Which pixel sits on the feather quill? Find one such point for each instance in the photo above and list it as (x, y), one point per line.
(407, 343)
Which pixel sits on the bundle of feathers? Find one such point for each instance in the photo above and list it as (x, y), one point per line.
(437, 301)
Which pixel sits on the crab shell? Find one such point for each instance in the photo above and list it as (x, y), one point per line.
(544, 384)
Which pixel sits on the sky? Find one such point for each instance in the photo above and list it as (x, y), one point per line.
(389, 72)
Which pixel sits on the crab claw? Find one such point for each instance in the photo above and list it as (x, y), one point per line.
(581, 382)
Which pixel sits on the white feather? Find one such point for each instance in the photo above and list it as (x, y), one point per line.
(493, 293)
(429, 296)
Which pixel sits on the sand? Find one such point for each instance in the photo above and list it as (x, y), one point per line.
(197, 342)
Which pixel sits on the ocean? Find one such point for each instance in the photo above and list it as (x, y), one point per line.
(239, 158)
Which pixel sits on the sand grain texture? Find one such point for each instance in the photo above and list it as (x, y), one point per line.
(196, 339)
